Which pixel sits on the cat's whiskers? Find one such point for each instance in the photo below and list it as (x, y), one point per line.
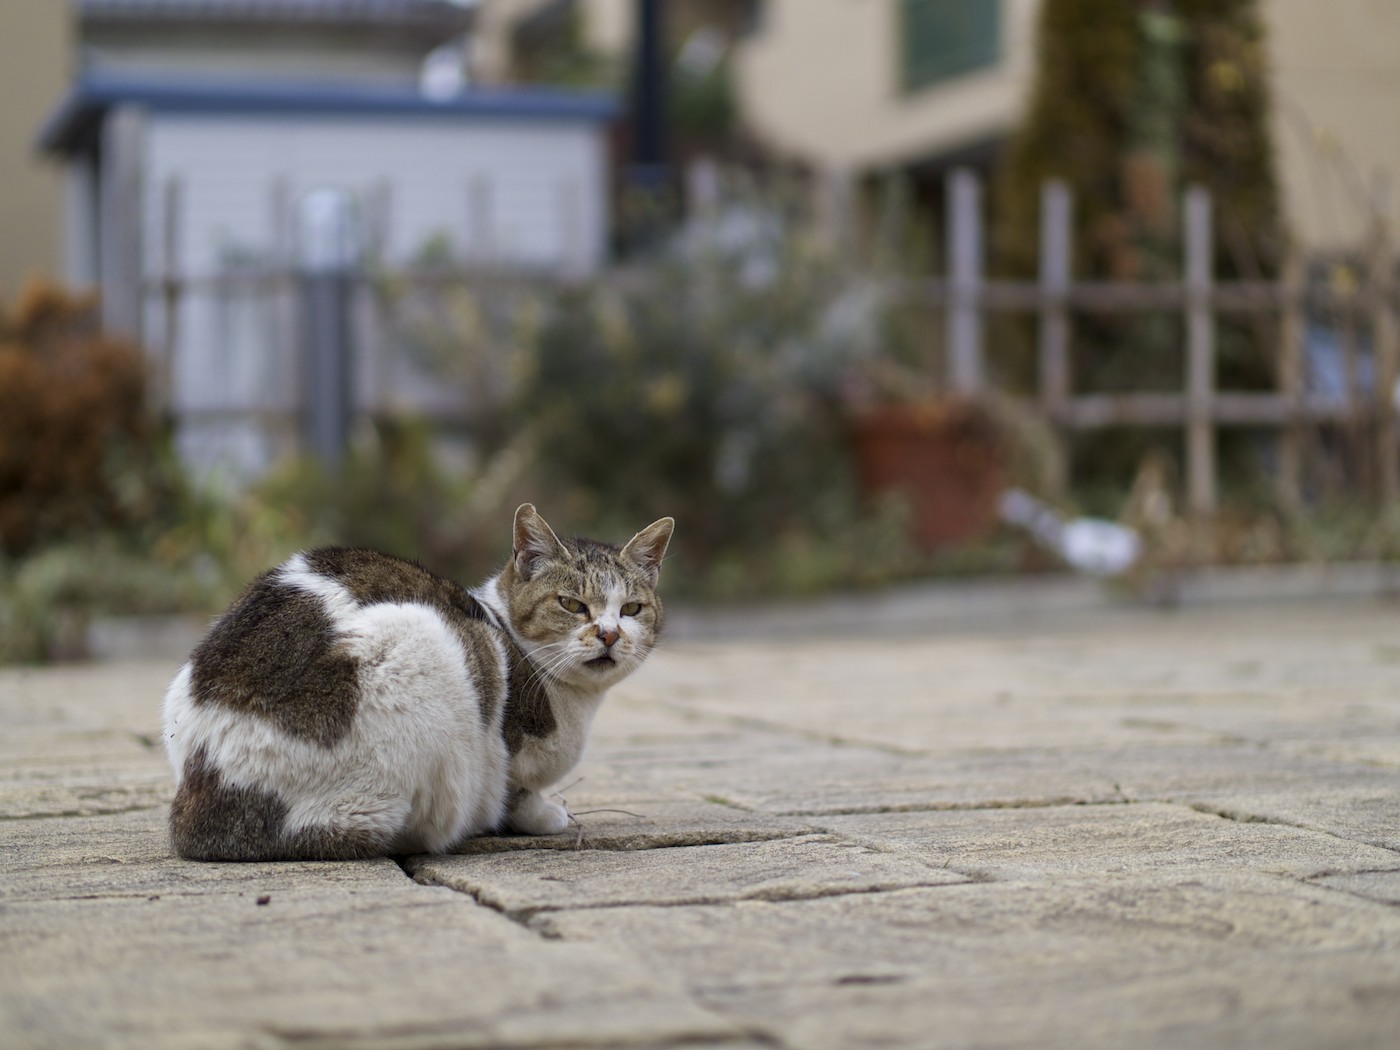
(545, 664)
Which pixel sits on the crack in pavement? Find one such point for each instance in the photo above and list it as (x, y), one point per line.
(628, 841)
(449, 1034)
(774, 895)
(1239, 817)
(750, 722)
(66, 813)
(955, 807)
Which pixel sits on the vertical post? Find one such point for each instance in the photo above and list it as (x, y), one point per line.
(285, 303)
(965, 276)
(81, 264)
(1290, 381)
(835, 206)
(123, 265)
(649, 99)
(327, 367)
(1200, 355)
(170, 295)
(1056, 221)
(649, 198)
(374, 393)
(329, 252)
(1387, 350)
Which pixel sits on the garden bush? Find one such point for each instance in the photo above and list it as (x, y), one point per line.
(79, 452)
(712, 384)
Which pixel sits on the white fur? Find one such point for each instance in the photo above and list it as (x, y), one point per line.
(417, 765)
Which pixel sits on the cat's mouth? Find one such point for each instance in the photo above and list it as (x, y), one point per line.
(601, 663)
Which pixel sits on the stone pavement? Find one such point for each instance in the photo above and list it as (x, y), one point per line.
(1097, 827)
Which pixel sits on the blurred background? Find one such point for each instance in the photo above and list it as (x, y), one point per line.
(860, 292)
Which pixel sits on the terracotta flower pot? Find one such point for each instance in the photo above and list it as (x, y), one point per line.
(945, 458)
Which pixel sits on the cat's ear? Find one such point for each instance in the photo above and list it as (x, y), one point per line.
(534, 541)
(647, 549)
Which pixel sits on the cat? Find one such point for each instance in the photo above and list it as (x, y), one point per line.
(351, 704)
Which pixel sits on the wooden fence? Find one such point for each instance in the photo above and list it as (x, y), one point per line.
(966, 299)
(1199, 408)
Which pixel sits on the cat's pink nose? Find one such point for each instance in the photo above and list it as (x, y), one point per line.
(609, 635)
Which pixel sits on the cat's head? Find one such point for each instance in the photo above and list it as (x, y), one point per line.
(588, 612)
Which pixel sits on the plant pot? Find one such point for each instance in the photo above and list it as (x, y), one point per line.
(947, 459)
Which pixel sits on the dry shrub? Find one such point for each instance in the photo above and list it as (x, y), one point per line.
(72, 410)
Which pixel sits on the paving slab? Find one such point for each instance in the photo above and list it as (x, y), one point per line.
(106, 939)
(1067, 841)
(1115, 961)
(1105, 829)
(799, 868)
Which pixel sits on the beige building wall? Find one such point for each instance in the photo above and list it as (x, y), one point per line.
(607, 24)
(34, 70)
(821, 82)
(1336, 68)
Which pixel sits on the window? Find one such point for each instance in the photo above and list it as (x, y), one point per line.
(940, 39)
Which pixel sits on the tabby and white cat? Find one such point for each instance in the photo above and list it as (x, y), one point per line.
(351, 704)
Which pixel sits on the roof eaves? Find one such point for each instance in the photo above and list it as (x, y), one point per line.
(76, 119)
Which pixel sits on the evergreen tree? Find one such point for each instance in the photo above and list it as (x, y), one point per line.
(1132, 102)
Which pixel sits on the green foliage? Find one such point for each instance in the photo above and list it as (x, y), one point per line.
(1133, 102)
(704, 105)
(1127, 145)
(563, 57)
(707, 385)
(394, 493)
(88, 484)
(48, 599)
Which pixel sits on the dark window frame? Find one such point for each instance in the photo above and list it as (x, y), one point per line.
(942, 40)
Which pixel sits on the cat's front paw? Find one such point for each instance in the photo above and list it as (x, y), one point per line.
(534, 815)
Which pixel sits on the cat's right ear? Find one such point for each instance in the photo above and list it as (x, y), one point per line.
(647, 549)
(534, 541)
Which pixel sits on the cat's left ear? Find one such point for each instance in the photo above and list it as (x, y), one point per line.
(534, 541)
(647, 549)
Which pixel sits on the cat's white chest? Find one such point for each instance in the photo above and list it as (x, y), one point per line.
(541, 761)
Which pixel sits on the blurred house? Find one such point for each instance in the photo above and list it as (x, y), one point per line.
(215, 149)
(182, 175)
(34, 68)
(381, 40)
(921, 86)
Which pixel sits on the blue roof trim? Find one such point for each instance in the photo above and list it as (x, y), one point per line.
(77, 119)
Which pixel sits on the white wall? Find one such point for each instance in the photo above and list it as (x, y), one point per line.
(821, 82)
(1336, 86)
(545, 200)
(528, 195)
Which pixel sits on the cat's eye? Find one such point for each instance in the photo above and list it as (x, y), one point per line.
(572, 605)
(631, 608)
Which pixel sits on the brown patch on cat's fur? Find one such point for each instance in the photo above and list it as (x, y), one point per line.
(274, 654)
(372, 577)
(528, 711)
(209, 820)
